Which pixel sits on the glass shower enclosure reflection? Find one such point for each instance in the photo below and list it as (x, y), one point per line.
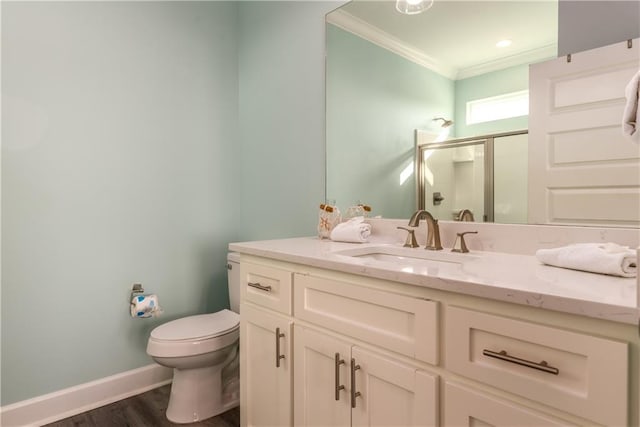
(485, 174)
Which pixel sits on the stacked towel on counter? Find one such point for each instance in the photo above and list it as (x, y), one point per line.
(603, 258)
(354, 230)
(631, 114)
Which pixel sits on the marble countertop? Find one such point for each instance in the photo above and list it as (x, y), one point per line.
(515, 278)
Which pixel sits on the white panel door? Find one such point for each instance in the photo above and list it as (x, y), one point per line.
(265, 342)
(391, 393)
(582, 170)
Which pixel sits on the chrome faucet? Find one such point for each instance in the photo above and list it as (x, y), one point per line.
(465, 215)
(433, 230)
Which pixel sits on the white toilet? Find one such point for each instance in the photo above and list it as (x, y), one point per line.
(203, 352)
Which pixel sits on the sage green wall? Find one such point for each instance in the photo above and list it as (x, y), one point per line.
(119, 148)
(129, 168)
(281, 168)
(499, 82)
(375, 101)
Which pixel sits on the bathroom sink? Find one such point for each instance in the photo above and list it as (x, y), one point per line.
(410, 257)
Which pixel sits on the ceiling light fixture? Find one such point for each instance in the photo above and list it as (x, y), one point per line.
(504, 43)
(413, 7)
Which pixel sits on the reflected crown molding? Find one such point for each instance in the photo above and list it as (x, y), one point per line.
(365, 30)
(543, 53)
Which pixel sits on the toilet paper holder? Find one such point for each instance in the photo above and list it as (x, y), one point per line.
(137, 289)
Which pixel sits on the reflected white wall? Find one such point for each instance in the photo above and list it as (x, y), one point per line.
(510, 179)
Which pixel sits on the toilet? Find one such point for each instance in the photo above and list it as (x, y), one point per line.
(203, 352)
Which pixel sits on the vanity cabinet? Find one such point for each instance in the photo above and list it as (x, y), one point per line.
(338, 383)
(356, 350)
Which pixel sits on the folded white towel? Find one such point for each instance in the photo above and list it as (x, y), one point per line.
(354, 230)
(603, 258)
(631, 114)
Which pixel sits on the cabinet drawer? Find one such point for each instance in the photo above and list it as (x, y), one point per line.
(399, 323)
(466, 407)
(577, 373)
(267, 286)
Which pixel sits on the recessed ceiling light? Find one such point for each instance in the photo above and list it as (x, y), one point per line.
(504, 43)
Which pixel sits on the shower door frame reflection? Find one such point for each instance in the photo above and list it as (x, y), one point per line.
(487, 141)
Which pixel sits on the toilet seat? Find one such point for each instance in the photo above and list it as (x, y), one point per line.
(198, 327)
(194, 335)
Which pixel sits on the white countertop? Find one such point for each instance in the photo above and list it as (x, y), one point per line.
(519, 279)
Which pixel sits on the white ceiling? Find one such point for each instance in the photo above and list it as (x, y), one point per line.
(458, 38)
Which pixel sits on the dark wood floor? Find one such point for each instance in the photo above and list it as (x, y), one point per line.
(146, 409)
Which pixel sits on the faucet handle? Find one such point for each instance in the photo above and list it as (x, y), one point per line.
(463, 246)
(411, 237)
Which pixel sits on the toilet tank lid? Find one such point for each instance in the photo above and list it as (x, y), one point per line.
(196, 327)
(233, 257)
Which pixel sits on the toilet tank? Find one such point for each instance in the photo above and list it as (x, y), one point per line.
(233, 280)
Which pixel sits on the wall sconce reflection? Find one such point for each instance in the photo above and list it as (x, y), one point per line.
(445, 123)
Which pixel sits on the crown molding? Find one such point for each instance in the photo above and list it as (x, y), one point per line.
(350, 23)
(363, 29)
(527, 57)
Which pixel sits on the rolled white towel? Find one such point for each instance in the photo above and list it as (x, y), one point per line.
(631, 114)
(354, 230)
(603, 258)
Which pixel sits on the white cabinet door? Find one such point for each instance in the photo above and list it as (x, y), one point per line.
(265, 368)
(387, 392)
(391, 392)
(321, 379)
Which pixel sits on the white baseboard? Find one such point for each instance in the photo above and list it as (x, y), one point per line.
(84, 397)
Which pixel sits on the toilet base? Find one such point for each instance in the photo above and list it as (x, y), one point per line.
(197, 394)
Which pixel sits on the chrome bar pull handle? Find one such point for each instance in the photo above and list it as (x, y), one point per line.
(339, 386)
(502, 355)
(259, 286)
(278, 355)
(354, 393)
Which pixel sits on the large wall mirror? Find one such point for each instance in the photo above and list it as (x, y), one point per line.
(389, 74)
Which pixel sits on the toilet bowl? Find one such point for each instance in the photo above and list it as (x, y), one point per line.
(202, 350)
